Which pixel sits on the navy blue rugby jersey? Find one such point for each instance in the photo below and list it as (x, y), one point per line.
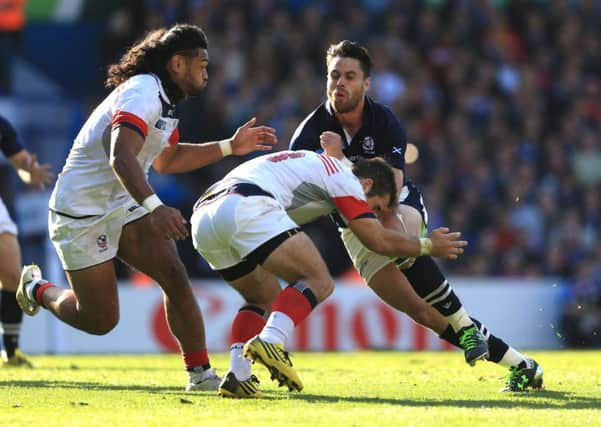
(381, 134)
(9, 143)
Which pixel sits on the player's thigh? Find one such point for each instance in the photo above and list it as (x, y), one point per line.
(95, 288)
(10, 262)
(143, 249)
(296, 259)
(412, 209)
(259, 287)
(391, 285)
(85, 242)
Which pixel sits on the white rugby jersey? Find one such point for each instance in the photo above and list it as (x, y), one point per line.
(87, 184)
(308, 185)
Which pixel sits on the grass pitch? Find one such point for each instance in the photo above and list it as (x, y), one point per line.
(341, 389)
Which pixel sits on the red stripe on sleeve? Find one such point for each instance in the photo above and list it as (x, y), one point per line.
(351, 207)
(332, 164)
(326, 164)
(174, 138)
(132, 119)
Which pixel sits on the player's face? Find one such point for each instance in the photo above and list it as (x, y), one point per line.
(191, 76)
(346, 84)
(379, 204)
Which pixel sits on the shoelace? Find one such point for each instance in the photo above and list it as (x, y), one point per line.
(286, 356)
(468, 339)
(516, 380)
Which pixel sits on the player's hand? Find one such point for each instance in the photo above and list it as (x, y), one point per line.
(170, 223)
(35, 174)
(331, 143)
(446, 244)
(248, 138)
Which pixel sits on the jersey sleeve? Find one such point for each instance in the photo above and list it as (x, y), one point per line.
(9, 142)
(137, 105)
(345, 190)
(306, 137)
(396, 139)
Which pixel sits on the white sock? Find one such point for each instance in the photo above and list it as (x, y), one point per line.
(512, 357)
(29, 288)
(278, 328)
(239, 365)
(459, 320)
(199, 374)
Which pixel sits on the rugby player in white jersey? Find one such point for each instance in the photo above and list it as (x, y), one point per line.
(246, 227)
(103, 206)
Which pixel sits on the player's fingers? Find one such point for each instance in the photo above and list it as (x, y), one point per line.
(249, 123)
(182, 230)
(453, 236)
(267, 130)
(270, 138)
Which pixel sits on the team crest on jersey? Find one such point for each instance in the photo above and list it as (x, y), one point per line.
(102, 243)
(161, 124)
(368, 145)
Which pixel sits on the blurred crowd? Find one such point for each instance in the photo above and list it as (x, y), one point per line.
(502, 99)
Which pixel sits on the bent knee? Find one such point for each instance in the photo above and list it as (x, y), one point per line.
(322, 288)
(102, 326)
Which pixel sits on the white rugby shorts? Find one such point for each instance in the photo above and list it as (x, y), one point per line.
(85, 242)
(227, 229)
(7, 225)
(367, 262)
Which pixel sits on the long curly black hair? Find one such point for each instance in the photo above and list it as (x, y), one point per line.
(151, 54)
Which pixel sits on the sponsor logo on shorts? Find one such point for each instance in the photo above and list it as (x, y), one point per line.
(102, 243)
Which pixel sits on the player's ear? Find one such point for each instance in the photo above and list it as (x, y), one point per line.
(367, 184)
(175, 63)
(366, 84)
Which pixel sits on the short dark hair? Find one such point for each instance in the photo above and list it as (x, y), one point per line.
(151, 54)
(382, 175)
(349, 49)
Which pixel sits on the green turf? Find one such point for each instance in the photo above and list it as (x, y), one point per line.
(345, 389)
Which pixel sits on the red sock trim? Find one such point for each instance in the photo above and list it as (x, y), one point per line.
(246, 325)
(195, 359)
(294, 304)
(40, 291)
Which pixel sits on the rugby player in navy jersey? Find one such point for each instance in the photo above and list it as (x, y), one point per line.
(11, 315)
(351, 125)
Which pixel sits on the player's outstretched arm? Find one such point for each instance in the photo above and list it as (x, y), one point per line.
(185, 157)
(30, 171)
(441, 243)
